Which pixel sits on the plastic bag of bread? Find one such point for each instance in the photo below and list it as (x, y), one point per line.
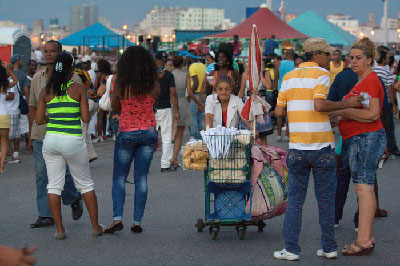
(194, 156)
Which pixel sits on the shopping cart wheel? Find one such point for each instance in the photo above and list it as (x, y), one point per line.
(199, 225)
(214, 232)
(241, 232)
(261, 226)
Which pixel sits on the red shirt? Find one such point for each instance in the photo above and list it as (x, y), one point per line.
(225, 116)
(137, 113)
(373, 86)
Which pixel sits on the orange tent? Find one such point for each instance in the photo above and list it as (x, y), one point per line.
(267, 24)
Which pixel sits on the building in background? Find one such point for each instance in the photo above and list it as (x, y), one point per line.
(105, 21)
(290, 17)
(9, 23)
(164, 21)
(345, 22)
(83, 16)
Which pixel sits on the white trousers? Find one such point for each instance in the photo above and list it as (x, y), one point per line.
(164, 122)
(60, 150)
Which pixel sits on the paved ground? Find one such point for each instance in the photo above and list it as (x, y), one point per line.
(175, 201)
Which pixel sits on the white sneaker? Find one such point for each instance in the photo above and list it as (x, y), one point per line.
(98, 139)
(337, 225)
(329, 255)
(284, 128)
(192, 139)
(286, 139)
(278, 138)
(285, 255)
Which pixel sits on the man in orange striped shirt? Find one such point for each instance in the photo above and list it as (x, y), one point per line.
(303, 98)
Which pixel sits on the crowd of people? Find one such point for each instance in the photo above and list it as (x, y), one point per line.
(151, 93)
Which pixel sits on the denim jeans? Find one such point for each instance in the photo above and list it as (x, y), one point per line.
(364, 152)
(136, 145)
(114, 124)
(343, 176)
(69, 194)
(197, 119)
(387, 121)
(323, 164)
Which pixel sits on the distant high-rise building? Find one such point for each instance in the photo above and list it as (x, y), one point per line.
(105, 21)
(38, 26)
(83, 16)
(371, 20)
(54, 23)
(269, 4)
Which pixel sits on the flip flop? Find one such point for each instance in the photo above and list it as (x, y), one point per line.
(381, 213)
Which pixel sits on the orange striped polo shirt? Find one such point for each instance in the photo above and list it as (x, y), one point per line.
(309, 129)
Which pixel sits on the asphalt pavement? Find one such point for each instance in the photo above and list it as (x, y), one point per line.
(175, 202)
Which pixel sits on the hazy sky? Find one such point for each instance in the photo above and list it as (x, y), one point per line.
(131, 11)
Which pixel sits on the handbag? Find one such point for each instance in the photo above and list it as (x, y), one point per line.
(23, 105)
(105, 100)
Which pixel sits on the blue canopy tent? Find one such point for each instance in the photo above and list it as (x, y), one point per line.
(96, 35)
(313, 25)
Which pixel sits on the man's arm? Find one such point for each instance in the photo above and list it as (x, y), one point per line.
(280, 111)
(174, 101)
(323, 105)
(195, 83)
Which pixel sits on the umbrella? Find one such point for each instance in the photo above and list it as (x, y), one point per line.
(255, 106)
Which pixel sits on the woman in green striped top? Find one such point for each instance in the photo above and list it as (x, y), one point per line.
(66, 103)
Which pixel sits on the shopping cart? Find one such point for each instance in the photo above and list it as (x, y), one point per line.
(227, 187)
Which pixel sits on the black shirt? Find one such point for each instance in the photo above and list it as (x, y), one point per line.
(166, 82)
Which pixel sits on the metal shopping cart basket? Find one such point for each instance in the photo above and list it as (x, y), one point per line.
(227, 187)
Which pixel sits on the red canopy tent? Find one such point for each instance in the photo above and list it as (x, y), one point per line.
(267, 24)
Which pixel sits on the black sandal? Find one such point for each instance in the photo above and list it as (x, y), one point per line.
(114, 228)
(381, 213)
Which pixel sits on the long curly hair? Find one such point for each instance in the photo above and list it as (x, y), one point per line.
(61, 74)
(104, 67)
(3, 79)
(136, 71)
(227, 50)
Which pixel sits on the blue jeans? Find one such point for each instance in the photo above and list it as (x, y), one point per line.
(140, 146)
(343, 176)
(323, 164)
(114, 124)
(197, 119)
(364, 151)
(69, 194)
(387, 121)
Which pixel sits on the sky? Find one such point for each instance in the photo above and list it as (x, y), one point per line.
(132, 11)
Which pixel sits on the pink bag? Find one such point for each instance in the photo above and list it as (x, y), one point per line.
(269, 182)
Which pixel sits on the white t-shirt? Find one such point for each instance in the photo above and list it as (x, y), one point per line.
(92, 75)
(3, 104)
(13, 105)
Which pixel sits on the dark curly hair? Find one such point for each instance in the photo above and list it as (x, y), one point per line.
(227, 50)
(104, 67)
(3, 79)
(177, 61)
(62, 71)
(136, 71)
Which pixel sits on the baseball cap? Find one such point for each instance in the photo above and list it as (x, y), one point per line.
(317, 44)
(161, 54)
(15, 58)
